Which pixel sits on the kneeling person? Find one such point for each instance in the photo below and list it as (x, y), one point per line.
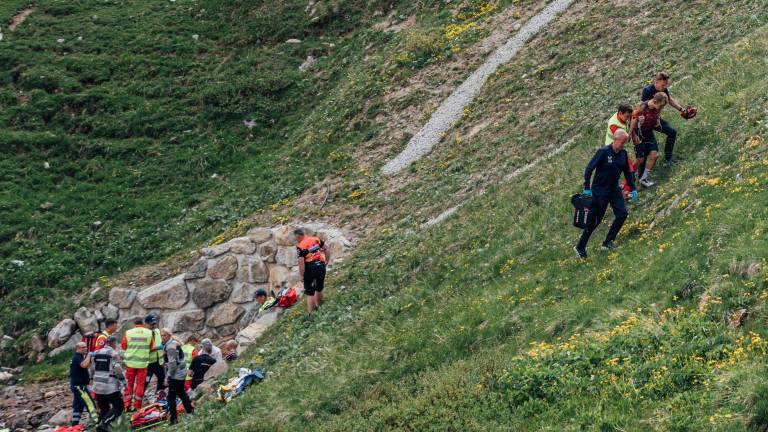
(608, 164)
(107, 376)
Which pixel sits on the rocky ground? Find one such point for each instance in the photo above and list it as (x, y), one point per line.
(34, 406)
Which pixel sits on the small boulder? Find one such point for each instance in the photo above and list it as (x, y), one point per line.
(197, 270)
(86, 320)
(168, 294)
(284, 236)
(208, 292)
(308, 64)
(253, 270)
(184, 321)
(242, 246)
(224, 314)
(286, 255)
(214, 251)
(122, 297)
(60, 333)
(110, 311)
(259, 235)
(60, 418)
(35, 344)
(69, 345)
(225, 268)
(267, 251)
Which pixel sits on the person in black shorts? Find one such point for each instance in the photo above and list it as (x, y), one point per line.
(311, 253)
(644, 120)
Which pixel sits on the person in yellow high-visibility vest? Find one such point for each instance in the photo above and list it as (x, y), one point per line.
(155, 367)
(190, 352)
(137, 344)
(620, 121)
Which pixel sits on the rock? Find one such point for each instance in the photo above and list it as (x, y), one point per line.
(245, 293)
(110, 312)
(294, 278)
(69, 345)
(737, 318)
(284, 236)
(46, 206)
(336, 248)
(224, 314)
(50, 394)
(308, 64)
(6, 341)
(34, 344)
(214, 251)
(59, 334)
(5, 376)
(227, 331)
(208, 292)
(225, 268)
(259, 235)
(60, 418)
(267, 251)
(99, 315)
(197, 270)
(278, 277)
(184, 321)
(122, 297)
(168, 294)
(250, 334)
(86, 320)
(253, 270)
(286, 256)
(242, 246)
(293, 41)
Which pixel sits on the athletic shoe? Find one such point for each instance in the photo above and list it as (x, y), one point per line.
(580, 252)
(646, 182)
(609, 246)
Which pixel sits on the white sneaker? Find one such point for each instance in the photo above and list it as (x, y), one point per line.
(646, 182)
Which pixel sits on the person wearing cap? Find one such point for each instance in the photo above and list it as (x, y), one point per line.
(137, 344)
(155, 367)
(78, 383)
(177, 372)
(107, 376)
(312, 259)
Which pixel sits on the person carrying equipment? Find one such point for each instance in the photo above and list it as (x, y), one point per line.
(645, 118)
(177, 372)
(661, 84)
(107, 376)
(608, 163)
(312, 259)
(155, 367)
(110, 328)
(137, 344)
(78, 384)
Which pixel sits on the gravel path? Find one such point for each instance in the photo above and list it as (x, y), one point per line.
(450, 111)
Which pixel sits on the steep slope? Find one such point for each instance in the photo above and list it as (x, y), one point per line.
(488, 322)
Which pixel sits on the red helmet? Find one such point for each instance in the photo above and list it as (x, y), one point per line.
(689, 112)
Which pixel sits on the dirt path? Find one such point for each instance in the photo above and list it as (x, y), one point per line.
(451, 109)
(20, 17)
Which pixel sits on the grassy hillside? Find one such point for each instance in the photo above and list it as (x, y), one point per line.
(138, 107)
(488, 322)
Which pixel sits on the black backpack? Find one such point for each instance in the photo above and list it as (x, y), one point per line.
(581, 204)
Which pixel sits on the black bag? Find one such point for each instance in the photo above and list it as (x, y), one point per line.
(581, 205)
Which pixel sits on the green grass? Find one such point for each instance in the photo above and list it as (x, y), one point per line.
(52, 368)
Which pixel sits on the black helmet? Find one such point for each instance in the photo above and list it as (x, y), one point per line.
(150, 319)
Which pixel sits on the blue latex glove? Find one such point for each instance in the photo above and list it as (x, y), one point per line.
(634, 196)
(587, 192)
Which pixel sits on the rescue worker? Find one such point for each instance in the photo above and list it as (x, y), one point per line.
(110, 328)
(78, 383)
(645, 118)
(661, 84)
(202, 362)
(190, 352)
(137, 344)
(620, 120)
(107, 377)
(608, 164)
(312, 260)
(155, 367)
(177, 372)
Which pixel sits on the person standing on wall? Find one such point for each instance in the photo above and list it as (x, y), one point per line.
(312, 260)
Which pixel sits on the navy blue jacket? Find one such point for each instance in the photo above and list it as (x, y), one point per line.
(608, 166)
(649, 91)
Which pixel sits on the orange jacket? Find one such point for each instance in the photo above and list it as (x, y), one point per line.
(306, 247)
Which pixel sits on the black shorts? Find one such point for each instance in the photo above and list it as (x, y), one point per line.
(314, 278)
(648, 145)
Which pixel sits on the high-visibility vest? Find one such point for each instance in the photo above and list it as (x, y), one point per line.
(614, 121)
(157, 355)
(138, 340)
(187, 349)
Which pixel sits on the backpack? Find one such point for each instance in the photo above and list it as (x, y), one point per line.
(581, 205)
(287, 297)
(90, 341)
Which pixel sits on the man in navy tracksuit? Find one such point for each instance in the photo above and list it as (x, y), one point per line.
(608, 164)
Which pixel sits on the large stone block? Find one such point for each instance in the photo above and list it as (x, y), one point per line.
(208, 292)
(110, 311)
(253, 270)
(168, 294)
(122, 297)
(224, 314)
(242, 246)
(61, 332)
(245, 292)
(278, 277)
(250, 334)
(267, 251)
(214, 251)
(184, 321)
(225, 268)
(86, 320)
(284, 236)
(286, 255)
(259, 235)
(69, 345)
(197, 270)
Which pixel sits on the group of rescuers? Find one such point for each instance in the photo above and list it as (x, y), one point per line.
(612, 160)
(146, 351)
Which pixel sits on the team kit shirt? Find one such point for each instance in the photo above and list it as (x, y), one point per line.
(608, 166)
(309, 248)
